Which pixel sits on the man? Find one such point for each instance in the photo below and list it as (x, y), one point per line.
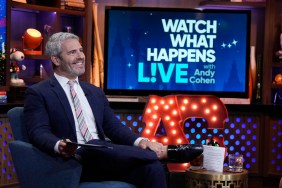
(58, 108)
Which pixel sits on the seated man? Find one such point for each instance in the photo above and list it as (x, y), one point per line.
(63, 109)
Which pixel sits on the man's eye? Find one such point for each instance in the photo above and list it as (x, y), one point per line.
(71, 52)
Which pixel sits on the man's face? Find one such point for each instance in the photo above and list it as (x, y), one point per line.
(71, 62)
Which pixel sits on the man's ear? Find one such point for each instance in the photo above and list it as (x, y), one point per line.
(55, 60)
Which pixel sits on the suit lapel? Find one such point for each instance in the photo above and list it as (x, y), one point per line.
(58, 90)
(91, 100)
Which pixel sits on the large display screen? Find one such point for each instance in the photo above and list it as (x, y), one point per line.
(169, 51)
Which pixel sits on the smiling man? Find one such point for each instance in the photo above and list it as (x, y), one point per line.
(63, 109)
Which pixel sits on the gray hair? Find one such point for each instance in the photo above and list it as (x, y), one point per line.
(53, 45)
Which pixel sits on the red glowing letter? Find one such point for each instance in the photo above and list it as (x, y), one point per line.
(173, 111)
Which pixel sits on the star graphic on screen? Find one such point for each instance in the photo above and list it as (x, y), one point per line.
(229, 44)
(234, 42)
(129, 64)
(223, 45)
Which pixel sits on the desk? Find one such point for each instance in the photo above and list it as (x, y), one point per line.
(210, 179)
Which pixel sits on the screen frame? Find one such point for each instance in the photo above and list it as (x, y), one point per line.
(145, 93)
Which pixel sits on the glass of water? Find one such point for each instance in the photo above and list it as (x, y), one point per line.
(235, 162)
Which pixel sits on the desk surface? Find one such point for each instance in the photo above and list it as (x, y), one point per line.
(225, 172)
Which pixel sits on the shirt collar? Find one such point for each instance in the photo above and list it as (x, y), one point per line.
(63, 80)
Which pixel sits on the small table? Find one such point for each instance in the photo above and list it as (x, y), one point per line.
(210, 179)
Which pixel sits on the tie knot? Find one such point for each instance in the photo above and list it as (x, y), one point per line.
(71, 83)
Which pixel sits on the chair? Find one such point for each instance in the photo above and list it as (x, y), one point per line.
(35, 168)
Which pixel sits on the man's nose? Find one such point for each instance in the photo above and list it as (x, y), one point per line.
(81, 54)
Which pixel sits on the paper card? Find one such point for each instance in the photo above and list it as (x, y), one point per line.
(213, 158)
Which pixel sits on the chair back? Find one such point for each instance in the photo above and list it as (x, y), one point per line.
(15, 116)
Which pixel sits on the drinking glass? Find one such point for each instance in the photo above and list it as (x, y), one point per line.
(235, 162)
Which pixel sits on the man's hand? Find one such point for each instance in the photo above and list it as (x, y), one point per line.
(67, 150)
(157, 147)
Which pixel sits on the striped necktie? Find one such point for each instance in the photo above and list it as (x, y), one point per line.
(79, 115)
